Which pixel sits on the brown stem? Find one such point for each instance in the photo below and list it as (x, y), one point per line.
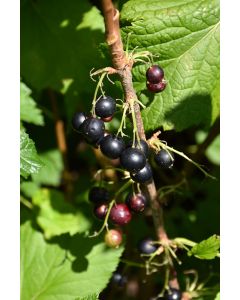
(61, 141)
(123, 67)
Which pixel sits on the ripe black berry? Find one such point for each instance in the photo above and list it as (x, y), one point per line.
(143, 146)
(156, 87)
(146, 246)
(77, 120)
(133, 159)
(105, 107)
(154, 74)
(120, 214)
(173, 294)
(93, 129)
(144, 175)
(108, 119)
(136, 202)
(119, 279)
(164, 159)
(98, 195)
(112, 146)
(100, 211)
(113, 238)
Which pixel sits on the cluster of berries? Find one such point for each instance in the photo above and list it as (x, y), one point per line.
(120, 280)
(120, 214)
(155, 79)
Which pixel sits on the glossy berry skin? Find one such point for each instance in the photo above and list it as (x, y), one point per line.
(143, 146)
(112, 146)
(145, 246)
(137, 202)
(154, 74)
(173, 294)
(164, 159)
(119, 279)
(156, 87)
(105, 107)
(133, 159)
(93, 130)
(100, 211)
(120, 214)
(77, 120)
(113, 238)
(108, 119)
(144, 175)
(98, 195)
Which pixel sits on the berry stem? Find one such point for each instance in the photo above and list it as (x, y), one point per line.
(99, 85)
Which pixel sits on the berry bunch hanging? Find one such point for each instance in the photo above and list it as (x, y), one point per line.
(133, 156)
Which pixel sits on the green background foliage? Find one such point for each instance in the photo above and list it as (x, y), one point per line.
(61, 42)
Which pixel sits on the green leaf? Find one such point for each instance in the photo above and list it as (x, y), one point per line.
(217, 296)
(56, 216)
(56, 39)
(90, 297)
(28, 108)
(51, 173)
(30, 162)
(29, 188)
(65, 269)
(184, 35)
(207, 249)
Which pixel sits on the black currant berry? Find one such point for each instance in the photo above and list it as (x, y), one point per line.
(154, 74)
(120, 214)
(164, 159)
(119, 279)
(105, 107)
(113, 238)
(173, 294)
(146, 246)
(133, 159)
(143, 146)
(156, 87)
(77, 120)
(98, 195)
(144, 175)
(93, 130)
(100, 211)
(112, 146)
(137, 202)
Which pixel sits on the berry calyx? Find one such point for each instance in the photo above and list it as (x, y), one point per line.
(144, 175)
(105, 107)
(77, 120)
(173, 294)
(119, 279)
(154, 74)
(164, 159)
(146, 246)
(113, 238)
(133, 159)
(156, 87)
(112, 146)
(98, 195)
(143, 146)
(120, 214)
(100, 211)
(137, 202)
(93, 129)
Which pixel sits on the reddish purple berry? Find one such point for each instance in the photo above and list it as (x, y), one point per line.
(154, 74)
(137, 202)
(120, 214)
(156, 87)
(100, 211)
